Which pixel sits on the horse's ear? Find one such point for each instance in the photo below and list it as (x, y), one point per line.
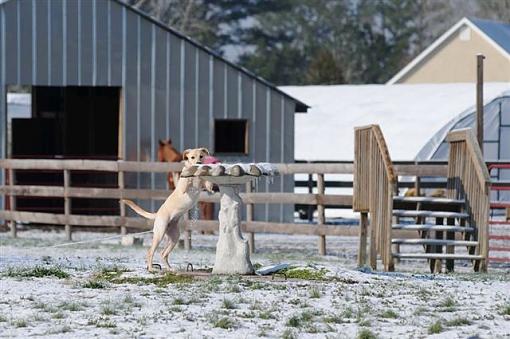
(161, 142)
(169, 141)
(205, 150)
(185, 154)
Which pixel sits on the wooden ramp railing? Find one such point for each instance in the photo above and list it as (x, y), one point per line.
(469, 180)
(374, 186)
(465, 209)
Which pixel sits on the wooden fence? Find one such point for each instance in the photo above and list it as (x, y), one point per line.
(319, 200)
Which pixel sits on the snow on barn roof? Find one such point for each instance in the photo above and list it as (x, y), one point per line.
(409, 115)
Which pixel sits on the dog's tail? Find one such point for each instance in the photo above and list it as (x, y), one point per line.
(139, 210)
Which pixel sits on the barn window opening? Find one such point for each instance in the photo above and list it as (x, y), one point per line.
(231, 136)
(73, 122)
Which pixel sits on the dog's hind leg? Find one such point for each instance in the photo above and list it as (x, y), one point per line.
(159, 230)
(173, 233)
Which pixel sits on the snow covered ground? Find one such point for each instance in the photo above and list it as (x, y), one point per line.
(346, 303)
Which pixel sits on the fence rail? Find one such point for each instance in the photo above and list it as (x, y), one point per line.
(320, 200)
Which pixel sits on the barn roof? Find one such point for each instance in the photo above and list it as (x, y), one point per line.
(409, 115)
(496, 33)
(300, 106)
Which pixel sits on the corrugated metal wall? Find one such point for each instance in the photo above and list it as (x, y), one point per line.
(171, 87)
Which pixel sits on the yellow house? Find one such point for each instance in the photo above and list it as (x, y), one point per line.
(452, 57)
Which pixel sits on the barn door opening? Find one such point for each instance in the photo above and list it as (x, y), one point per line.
(68, 123)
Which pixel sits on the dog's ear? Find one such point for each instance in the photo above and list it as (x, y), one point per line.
(185, 154)
(205, 150)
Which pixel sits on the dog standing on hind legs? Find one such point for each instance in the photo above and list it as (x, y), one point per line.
(182, 199)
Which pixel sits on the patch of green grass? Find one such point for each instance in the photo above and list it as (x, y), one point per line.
(389, 314)
(266, 315)
(228, 304)
(315, 293)
(108, 310)
(289, 334)
(224, 323)
(36, 272)
(176, 309)
(365, 333)
(2, 318)
(420, 310)
(58, 315)
(71, 306)
(20, 323)
(347, 313)
(160, 281)
(448, 302)
(458, 322)
(300, 320)
(505, 309)
(180, 301)
(40, 317)
(435, 328)
(305, 273)
(294, 321)
(102, 322)
(257, 286)
(234, 288)
(106, 324)
(363, 322)
(95, 284)
(333, 318)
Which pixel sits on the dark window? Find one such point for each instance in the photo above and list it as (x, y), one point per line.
(231, 136)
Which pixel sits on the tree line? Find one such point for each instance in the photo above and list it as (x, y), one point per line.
(301, 42)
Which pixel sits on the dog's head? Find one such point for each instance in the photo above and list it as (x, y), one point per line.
(194, 156)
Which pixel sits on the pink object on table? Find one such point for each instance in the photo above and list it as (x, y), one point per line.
(209, 159)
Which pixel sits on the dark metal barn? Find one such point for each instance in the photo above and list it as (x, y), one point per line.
(107, 82)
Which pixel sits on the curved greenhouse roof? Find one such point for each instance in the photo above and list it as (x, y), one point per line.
(496, 131)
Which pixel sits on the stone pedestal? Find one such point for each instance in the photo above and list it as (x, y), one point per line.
(232, 251)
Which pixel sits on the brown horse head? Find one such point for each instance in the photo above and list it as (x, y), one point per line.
(167, 153)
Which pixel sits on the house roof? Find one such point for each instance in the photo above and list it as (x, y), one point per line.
(409, 115)
(499, 32)
(496, 33)
(300, 106)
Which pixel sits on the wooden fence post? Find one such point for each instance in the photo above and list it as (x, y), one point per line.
(249, 217)
(310, 191)
(321, 212)
(362, 250)
(67, 203)
(123, 229)
(12, 202)
(417, 186)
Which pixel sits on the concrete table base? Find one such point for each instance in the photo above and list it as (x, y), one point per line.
(232, 252)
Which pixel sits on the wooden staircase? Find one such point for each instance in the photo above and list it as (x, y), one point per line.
(437, 229)
(441, 225)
